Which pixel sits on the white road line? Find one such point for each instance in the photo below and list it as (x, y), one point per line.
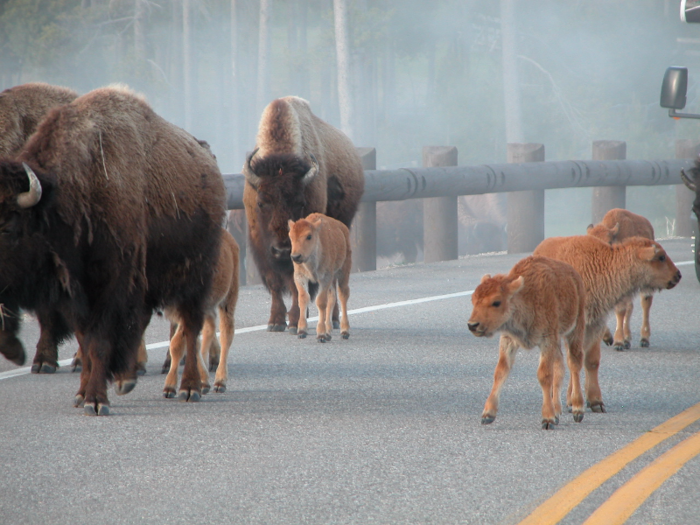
(258, 328)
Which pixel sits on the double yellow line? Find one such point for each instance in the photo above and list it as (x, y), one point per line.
(625, 500)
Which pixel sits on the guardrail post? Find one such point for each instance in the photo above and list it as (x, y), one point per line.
(525, 208)
(364, 226)
(608, 197)
(685, 149)
(439, 213)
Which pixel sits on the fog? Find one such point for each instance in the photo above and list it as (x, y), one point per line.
(424, 72)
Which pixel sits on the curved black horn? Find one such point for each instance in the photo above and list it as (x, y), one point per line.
(250, 175)
(688, 181)
(33, 196)
(313, 171)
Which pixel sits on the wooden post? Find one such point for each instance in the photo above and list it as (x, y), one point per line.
(608, 197)
(439, 213)
(363, 234)
(685, 225)
(525, 208)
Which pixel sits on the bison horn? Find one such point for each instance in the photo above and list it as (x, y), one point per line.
(688, 181)
(250, 175)
(33, 196)
(313, 170)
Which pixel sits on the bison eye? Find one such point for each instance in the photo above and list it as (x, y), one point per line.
(308, 237)
(662, 258)
(261, 204)
(496, 304)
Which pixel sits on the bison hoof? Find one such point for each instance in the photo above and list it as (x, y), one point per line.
(78, 401)
(190, 396)
(644, 343)
(168, 393)
(302, 334)
(213, 365)
(598, 407)
(336, 324)
(205, 389)
(619, 347)
(96, 409)
(219, 388)
(43, 368)
(628, 345)
(276, 327)
(548, 424)
(578, 416)
(345, 335)
(293, 330)
(487, 420)
(140, 369)
(608, 340)
(124, 387)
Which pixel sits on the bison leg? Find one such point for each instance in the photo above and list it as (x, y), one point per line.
(227, 329)
(592, 364)
(208, 341)
(303, 297)
(550, 374)
(95, 401)
(141, 358)
(322, 300)
(344, 295)
(622, 337)
(166, 364)
(574, 357)
(646, 329)
(191, 382)
(506, 357)
(214, 355)
(12, 348)
(295, 309)
(278, 313)
(175, 353)
(51, 335)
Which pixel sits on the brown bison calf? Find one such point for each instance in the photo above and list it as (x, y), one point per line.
(610, 274)
(222, 297)
(616, 226)
(539, 302)
(321, 254)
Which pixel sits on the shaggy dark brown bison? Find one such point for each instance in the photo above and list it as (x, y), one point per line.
(107, 214)
(300, 165)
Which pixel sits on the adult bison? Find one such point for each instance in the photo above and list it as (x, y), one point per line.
(108, 213)
(300, 165)
(21, 109)
(690, 179)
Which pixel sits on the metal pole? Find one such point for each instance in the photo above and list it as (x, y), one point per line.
(440, 213)
(525, 208)
(609, 197)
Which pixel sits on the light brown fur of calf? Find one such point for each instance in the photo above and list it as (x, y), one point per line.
(223, 297)
(616, 226)
(539, 302)
(610, 274)
(321, 253)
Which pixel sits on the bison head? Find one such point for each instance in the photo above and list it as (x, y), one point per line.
(492, 303)
(280, 181)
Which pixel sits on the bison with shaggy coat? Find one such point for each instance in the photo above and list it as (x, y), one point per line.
(321, 254)
(617, 225)
(610, 274)
(21, 109)
(300, 165)
(539, 302)
(109, 213)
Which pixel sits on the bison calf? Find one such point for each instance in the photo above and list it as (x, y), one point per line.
(610, 274)
(321, 254)
(616, 226)
(539, 302)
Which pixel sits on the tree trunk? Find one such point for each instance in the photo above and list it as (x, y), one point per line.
(342, 47)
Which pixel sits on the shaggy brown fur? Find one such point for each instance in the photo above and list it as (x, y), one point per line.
(22, 108)
(539, 302)
(129, 221)
(300, 165)
(222, 298)
(617, 225)
(610, 273)
(321, 254)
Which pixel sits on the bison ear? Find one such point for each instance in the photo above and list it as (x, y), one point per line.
(589, 228)
(615, 229)
(647, 253)
(290, 223)
(486, 277)
(516, 285)
(250, 175)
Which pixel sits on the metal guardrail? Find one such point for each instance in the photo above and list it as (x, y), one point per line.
(419, 183)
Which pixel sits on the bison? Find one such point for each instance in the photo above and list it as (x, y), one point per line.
(690, 179)
(300, 165)
(539, 302)
(107, 214)
(617, 225)
(321, 253)
(610, 274)
(21, 109)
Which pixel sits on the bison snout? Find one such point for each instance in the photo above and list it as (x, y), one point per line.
(472, 326)
(676, 279)
(296, 257)
(278, 252)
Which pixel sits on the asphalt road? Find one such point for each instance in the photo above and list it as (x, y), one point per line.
(381, 428)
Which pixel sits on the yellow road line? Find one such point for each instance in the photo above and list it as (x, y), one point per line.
(625, 500)
(565, 499)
